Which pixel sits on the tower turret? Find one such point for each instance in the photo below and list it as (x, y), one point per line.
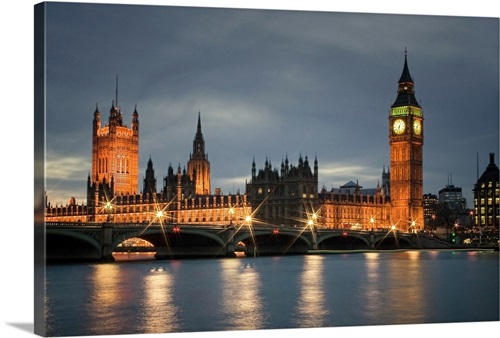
(149, 186)
(115, 150)
(198, 165)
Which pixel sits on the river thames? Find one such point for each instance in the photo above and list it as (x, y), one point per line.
(308, 291)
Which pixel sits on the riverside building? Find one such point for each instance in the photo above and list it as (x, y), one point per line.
(284, 196)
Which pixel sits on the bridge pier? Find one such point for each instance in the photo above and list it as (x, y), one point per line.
(416, 241)
(230, 242)
(372, 240)
(107, 242)
(314, 239)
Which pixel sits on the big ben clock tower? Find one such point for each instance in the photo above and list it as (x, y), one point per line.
(406, 139)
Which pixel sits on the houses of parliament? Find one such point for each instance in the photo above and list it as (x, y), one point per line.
(287, 195)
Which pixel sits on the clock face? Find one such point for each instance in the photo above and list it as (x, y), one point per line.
(398, 126)
(417, 127)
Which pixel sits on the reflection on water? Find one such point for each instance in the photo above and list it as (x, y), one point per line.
(404, 287)
(241, 303)
(373, 289)
(380, 288)
(108, 294)
(159, 312)
(398, 295)
(311, 311)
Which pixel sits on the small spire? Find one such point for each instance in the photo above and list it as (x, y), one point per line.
(198, 129)
(405, 75)
(116, 90)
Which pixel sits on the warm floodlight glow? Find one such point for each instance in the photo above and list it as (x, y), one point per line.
(310, 222)
(393, 227)
(248, 219)
(159, 214)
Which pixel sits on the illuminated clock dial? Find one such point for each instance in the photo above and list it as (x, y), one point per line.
(417, 127)
(398, 126)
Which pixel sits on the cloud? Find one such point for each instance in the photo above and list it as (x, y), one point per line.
(64, 167)
(66, 176)
(273, 83)
(335, 174)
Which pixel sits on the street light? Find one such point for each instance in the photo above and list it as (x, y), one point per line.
(108, 209)
(231, 214)
(412, 226)
(159, 216)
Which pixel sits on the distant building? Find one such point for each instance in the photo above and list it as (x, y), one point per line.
(452, 197)
(431, 204)
(486, 196)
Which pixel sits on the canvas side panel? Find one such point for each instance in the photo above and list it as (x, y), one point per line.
(39, 169)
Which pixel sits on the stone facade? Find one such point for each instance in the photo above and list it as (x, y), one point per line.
(284, 196)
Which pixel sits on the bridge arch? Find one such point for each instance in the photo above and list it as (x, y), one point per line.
(158, 237)
(273, 241)
(391, 242)
(343, 241)
(177, 241)
(64, 244)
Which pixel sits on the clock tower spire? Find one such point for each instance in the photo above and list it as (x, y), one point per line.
(406, 141)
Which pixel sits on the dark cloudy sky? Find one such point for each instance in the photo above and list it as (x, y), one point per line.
(269, 84)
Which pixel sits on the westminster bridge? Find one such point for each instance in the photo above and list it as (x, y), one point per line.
(98, 241)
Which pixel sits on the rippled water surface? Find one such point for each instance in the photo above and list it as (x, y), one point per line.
(272, 292)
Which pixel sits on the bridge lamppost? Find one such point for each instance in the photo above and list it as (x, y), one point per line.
(108, 209)
(107, 235)
(231, 214)
(412, 227)
(159, 216)
(248, 221)
(311, 223)
(372, 222)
